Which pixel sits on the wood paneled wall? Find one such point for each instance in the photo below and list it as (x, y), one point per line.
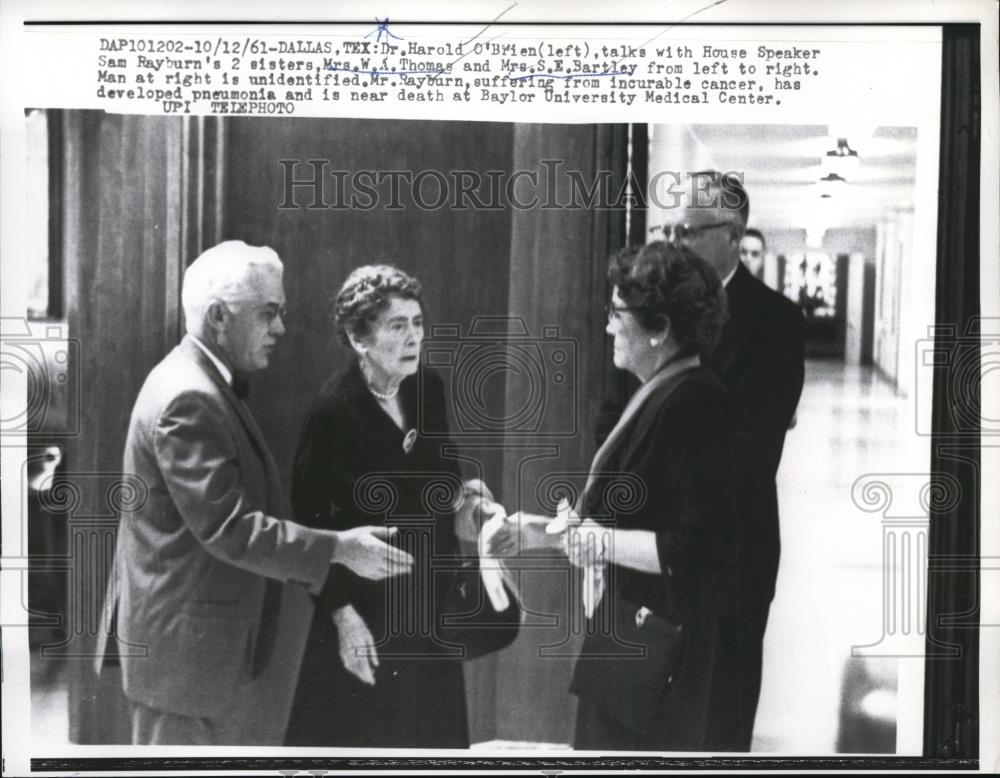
(137, 207)
(558, 285)
(123, 262)
(462, 257)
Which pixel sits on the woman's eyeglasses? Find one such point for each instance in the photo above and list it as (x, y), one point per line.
(615, 311)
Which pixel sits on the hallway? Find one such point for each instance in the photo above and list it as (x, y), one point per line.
(829, 591)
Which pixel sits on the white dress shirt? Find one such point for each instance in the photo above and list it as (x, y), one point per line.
(219, 364)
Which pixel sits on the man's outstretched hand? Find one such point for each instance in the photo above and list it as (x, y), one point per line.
(364, 551)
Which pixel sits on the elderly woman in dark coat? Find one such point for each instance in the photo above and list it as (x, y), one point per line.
(378, 670)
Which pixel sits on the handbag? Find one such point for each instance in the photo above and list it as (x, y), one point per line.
(467, 618)
(626, 668)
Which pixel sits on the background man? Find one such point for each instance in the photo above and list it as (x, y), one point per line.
(752, 248)
(760, 359)
(200, 565)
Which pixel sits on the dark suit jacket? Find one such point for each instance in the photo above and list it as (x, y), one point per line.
(760, 360)
(351, 469)
(680, 447)
(194, 557)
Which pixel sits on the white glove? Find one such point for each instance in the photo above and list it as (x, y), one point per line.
(584, 550)
(490, 568)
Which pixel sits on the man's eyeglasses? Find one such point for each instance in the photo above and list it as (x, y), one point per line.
(268, 312)
(272, 312)
(684, 233)
(615, 311)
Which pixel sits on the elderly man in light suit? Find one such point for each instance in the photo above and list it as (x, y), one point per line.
(200, 566)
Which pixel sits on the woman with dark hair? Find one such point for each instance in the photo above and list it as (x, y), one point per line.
(652, 534)
(662, 574)
(380, 669)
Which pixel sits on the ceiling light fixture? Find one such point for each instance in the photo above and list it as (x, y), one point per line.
(842, 161)
(831, 185)
(856, 129)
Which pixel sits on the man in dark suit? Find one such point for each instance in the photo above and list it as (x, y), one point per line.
(200, 564)
(760, 360)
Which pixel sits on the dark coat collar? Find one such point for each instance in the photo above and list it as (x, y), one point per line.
(742, 280)
(349, 390)
(621, 455)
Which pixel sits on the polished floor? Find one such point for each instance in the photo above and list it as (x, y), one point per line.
(829, 597)
(830, 585)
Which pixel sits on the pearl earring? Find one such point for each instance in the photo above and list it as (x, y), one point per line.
(654, 342)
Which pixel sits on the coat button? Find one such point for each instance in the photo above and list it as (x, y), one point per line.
(670, 679)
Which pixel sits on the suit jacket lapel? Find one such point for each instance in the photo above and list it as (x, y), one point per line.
(260, 446)
(737, 289)
(267, 629)
(192, 351)
(725, 350)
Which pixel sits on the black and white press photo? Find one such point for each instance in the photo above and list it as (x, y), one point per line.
(502, 392)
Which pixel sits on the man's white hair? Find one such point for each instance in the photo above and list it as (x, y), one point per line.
(229, 273)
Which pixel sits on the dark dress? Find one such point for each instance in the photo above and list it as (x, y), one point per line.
(680, 444)
(351, 469)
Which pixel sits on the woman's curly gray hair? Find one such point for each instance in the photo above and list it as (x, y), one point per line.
(367, 292)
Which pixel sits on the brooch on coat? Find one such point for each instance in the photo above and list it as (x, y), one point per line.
(409, 440)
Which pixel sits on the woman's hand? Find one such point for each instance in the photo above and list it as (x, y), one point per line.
(476, 487)
(475, 507)
(522, 532)
(357, 649)
(502, 542)
(586, 543)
